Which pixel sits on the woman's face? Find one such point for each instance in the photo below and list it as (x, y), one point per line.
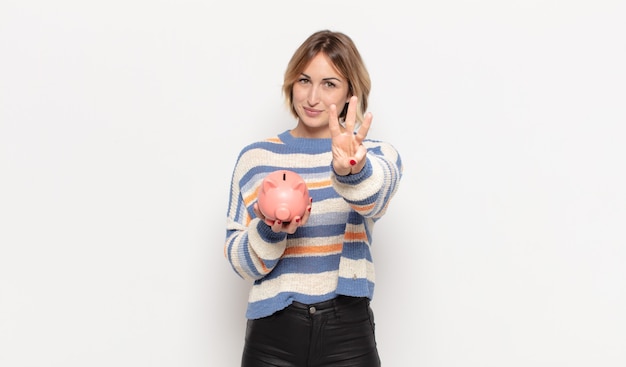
(318, 87)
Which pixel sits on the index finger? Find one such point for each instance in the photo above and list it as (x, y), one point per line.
(333, 121)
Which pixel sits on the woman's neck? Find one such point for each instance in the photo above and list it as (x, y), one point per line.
(303, 131)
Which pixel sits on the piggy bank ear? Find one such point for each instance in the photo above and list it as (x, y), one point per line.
(301, 187)
(269, 184)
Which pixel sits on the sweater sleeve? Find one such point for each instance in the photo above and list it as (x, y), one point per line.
(369, 192)
(251, 247)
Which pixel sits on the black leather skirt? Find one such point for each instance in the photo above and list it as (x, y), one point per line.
(337, 333)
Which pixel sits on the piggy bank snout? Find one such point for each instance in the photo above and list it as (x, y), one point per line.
(283, 195)
(283, 214)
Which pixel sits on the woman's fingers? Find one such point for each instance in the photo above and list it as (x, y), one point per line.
(333, 121)
(364, 128)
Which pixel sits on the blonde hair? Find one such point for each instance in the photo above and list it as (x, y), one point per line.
(343, 54)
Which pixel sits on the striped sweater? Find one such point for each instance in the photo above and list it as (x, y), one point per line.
(328, 256)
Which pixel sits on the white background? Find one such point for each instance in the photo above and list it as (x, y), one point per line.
(120, 122)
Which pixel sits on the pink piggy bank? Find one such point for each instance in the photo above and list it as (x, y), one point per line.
(283, 195)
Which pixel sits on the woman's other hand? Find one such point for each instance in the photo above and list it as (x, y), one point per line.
(349, 154)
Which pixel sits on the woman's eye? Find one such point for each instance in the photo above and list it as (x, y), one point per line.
(330, 84)
(303, 80)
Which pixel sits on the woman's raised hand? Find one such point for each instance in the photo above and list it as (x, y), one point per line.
(347, 147)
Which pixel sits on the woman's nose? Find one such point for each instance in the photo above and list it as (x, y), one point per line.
(313, 97)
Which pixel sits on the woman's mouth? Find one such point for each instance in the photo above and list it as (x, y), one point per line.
(310, 112)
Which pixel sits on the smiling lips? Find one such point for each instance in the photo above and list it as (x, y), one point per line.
(312, 112)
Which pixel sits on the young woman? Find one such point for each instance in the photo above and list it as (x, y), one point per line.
(313, 277)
